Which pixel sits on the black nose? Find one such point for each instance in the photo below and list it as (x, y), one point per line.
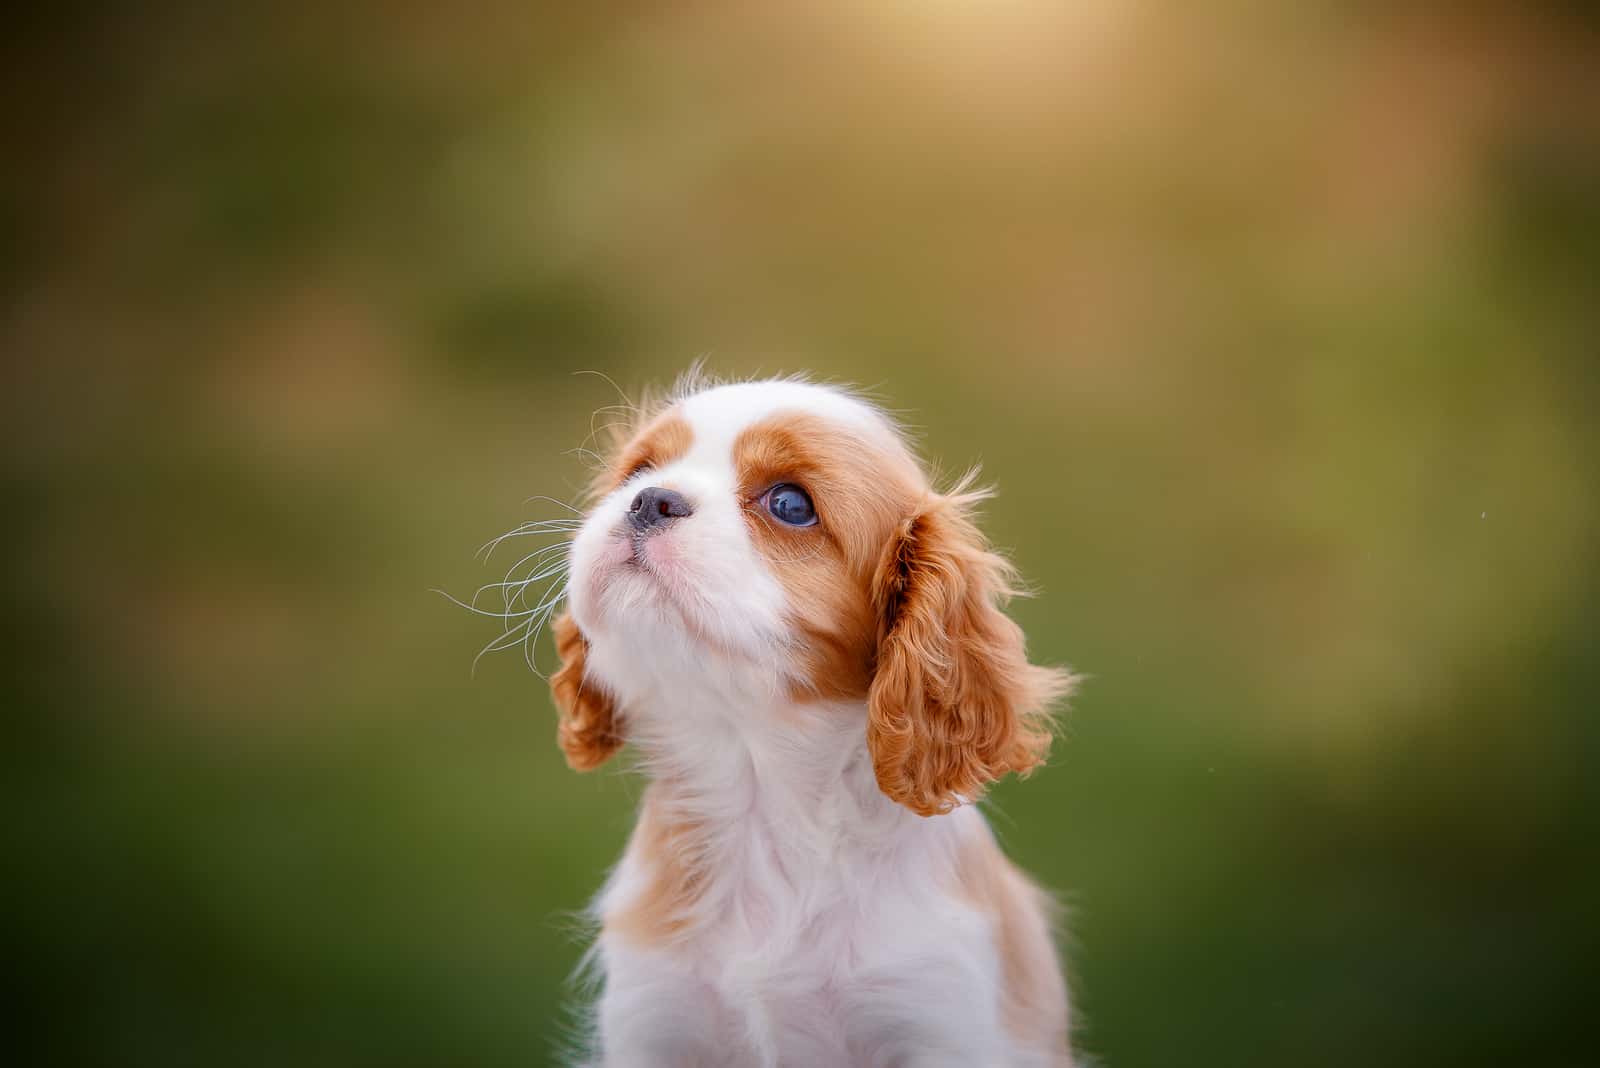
(657, 507)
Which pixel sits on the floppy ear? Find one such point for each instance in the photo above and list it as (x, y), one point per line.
(588, 728)
(954, 703)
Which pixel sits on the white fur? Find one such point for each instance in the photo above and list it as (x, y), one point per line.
(830, 931)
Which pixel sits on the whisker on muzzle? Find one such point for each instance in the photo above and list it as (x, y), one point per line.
(563, 527)
(559, 504)
(531, 590)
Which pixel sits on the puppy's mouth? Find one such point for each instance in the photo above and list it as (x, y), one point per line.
(631, 556)
(637, 557)
(659, 581)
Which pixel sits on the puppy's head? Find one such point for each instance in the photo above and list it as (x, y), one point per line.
(783, 531)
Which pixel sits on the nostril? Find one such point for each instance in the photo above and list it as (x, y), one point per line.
(656, 505)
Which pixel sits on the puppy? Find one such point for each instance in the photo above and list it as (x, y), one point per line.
(804, 643)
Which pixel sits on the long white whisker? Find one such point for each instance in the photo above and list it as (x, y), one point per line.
(513, 589)
(505, 641)
(531, 638)
(507, 613)
(530, 643)
(608, 380)
(550, 568)
(558, 573)
(487, 550)
(558, 523)
(539, 577)
(552, 598)
(540, 560)
(459, 603)
(537, 557)
(593, 456)
(552, 500)
(563, 527)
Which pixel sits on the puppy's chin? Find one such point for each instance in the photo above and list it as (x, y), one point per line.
(616, 583)
(640, 589)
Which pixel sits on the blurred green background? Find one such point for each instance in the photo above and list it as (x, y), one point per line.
(1275, 324)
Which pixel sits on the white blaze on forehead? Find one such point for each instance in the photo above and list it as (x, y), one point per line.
(720, 414)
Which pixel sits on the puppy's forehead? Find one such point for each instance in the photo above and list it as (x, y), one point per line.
(719, 415)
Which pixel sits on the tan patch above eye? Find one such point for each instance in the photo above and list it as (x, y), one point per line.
(663, 441)
(861, 490)
(782, 450)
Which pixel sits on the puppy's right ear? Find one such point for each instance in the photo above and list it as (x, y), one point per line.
(588, 728)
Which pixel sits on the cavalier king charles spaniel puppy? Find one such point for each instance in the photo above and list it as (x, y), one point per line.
(804, 642)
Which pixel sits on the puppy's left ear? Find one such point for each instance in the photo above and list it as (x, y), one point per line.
(589, 730)
(954, 703)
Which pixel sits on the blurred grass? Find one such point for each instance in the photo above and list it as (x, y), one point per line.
(1274, 323)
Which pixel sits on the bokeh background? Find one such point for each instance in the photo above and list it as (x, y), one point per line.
(1275, 323)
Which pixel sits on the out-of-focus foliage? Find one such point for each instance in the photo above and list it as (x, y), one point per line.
(1274, 322)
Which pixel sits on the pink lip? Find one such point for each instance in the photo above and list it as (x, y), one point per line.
(631, 555)
(627, 553)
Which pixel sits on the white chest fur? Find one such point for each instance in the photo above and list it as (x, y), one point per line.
(774, 908)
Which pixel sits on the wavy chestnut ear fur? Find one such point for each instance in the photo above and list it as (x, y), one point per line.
(589, 729)
(954, 704)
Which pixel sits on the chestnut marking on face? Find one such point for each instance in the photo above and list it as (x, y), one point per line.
(850, 488)
(663, 441)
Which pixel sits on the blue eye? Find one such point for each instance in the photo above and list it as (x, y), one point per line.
(789, 504)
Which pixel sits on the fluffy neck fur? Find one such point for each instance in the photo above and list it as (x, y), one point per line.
(769, 807)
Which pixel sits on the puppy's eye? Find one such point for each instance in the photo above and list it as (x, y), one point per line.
(790, 504)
